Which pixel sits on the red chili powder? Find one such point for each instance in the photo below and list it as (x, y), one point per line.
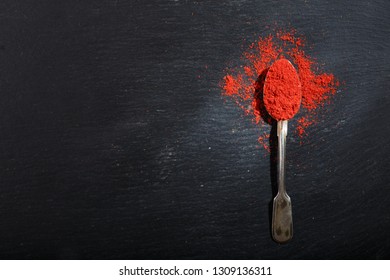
(282, 90)
(245, 84)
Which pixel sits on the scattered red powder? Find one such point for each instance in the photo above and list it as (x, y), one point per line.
(245, 84)
(303, 122)
(282, 90)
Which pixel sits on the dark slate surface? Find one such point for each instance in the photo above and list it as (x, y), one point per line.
(116, 143)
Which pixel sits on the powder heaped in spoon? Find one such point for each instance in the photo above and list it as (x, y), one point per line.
(282, 90)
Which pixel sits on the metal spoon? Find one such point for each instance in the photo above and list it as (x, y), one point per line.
(282, 222)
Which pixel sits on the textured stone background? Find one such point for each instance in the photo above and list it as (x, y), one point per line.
(116, 143)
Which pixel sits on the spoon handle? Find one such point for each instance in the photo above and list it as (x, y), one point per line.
(282, 225)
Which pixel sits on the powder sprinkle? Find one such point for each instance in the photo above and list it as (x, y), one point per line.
(245, 84)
